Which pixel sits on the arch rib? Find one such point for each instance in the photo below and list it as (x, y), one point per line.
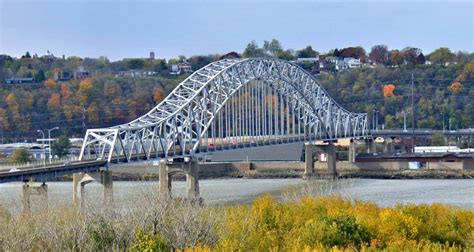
(178, 125)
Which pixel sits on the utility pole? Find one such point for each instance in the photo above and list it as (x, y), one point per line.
(49, 142)
(443, 122)
(83, 121)
(413, 113)
(373, 119)
(404, 121)
(44, 149)
(376, 120)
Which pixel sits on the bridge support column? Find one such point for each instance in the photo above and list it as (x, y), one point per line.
(165, 180)
(29, 189)
(190, 168)
(107, 181)
(329, 150)
(388, 146)
(192, 180)
(80, 180)
(371, 147)
(352, 151)
(308, 162)
(78, 197)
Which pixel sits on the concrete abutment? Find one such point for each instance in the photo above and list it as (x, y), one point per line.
(310, 151)
(80, 180)
(29, 189)
(190, 169)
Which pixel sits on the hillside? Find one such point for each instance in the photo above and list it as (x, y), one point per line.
(107, 99)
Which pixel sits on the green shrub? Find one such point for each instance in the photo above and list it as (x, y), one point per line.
(147, 242)
(343, 230)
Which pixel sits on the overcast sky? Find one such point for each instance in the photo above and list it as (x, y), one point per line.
(119, 29)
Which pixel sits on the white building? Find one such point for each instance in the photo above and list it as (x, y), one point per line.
(313, 60)
(135, 73)
(180, 68)
(436, 149)
(347, 63)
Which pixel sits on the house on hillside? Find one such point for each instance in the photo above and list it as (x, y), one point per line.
(62, 75)
(81, 73)
(135, 73)
(180, 68)
(347, 63)
(16, 80)
(309, 60)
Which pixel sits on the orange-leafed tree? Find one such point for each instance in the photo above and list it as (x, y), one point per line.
(65, 91)
(54, 101)
(456, 87)
(158, 95)
(50, 83)
(85, 84)
(388, 90)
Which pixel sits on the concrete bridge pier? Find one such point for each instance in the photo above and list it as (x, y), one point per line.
(190, 168)
(29, 189)
(107, 181)
(352, 151)
(388, 146)
(80, 180)
(165, 179)
(311, 150)
(371, 147)
(192, 180)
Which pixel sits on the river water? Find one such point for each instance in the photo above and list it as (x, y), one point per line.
(454, 192)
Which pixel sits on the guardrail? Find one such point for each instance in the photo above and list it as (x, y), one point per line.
(38, 163)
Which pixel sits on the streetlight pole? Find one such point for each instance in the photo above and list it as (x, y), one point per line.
(404, 121)
(42, 146)
(83, 121)
(373, 120)
(49, 141)
(376, 120)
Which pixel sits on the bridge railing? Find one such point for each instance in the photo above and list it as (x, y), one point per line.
(38, 163)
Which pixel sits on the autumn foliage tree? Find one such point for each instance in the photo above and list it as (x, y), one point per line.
(379, 54)
(158, 94)
(85, 90)
(456, 87)
(50, 83)
(388, 90)
(54, 101)
(65, 91)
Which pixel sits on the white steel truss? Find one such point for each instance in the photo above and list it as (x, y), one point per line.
(231, 103)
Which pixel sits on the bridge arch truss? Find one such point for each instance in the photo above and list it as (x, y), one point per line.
(231, 103)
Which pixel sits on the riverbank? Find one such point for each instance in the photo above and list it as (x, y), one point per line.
(291, 169)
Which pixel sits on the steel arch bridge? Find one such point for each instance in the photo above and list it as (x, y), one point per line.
(231, 103)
